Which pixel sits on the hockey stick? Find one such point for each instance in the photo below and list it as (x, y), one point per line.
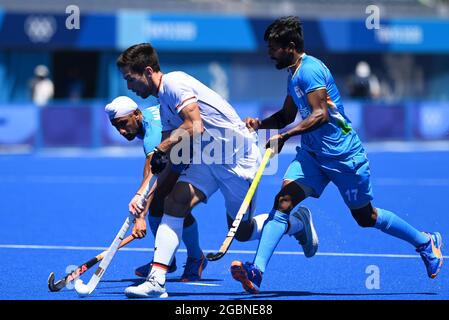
(86, 289)
(57, 286)
(243, 208)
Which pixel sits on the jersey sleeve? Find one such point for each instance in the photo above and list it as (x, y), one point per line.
(312, 78)
(151, 139)
(153, 129)
(181, 93)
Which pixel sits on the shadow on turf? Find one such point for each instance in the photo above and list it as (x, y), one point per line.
(278, 295)
(281, 294)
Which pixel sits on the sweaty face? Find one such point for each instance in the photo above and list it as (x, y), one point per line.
(137, 83)
(127, 126)
(281, 55)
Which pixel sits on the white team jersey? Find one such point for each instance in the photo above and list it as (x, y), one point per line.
(221, 122)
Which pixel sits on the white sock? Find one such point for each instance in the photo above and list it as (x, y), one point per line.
(295, 225)
(259, 220)
(166, 243)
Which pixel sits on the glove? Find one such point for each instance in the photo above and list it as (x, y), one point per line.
(158, 161)
(276, 143)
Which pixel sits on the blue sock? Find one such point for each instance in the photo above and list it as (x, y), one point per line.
(154, 223)
(272, 232)
(190, 238)
(391, 224)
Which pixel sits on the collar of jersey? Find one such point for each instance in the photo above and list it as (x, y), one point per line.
(302, 56)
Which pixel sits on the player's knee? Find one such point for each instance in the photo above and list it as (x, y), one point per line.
(244, 231)
(283, 202)
(365, 217)
(156, 208)
(176, 205)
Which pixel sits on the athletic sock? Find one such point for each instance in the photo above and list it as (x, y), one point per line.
(158, 272)
(258, 223)
(190, 237)
(272, 232)
(167, 240)
(391, 224)
(154, 223)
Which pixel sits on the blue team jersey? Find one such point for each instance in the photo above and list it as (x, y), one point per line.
(152, 127)
(336, 138)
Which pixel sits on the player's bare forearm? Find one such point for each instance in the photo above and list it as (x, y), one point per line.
(146, 179)
(192, 125)
(275, 121)
(283, 117)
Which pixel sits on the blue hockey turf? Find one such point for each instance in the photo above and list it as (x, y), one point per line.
(60, 211)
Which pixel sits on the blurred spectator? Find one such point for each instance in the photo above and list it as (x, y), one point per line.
(42, 88)
(363, 84)
(75, 85)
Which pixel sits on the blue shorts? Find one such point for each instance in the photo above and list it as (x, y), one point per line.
(351, 176)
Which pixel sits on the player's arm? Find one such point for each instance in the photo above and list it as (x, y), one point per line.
(134, 206)
(192, 124)
(320, 115)
(278, 120)
(318, 102)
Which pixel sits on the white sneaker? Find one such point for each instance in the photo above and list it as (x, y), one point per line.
(151, 288)
(307, 237)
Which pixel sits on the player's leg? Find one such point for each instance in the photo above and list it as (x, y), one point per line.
(428, 245)
(195, 185)
(190, 236)
(357, 193)
(302, 179)
(179, 202)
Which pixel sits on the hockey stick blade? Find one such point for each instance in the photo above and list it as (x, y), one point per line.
(75, 274)
(54, 287)
(214, 256)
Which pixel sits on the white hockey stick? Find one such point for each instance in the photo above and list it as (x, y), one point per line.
(86, 289)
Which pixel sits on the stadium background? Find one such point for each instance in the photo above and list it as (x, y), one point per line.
(43, 148)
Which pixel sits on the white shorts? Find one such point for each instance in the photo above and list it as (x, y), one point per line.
(232, 180)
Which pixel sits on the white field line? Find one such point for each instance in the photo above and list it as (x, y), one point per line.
(328, 254)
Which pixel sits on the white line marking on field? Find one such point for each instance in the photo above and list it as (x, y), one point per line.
(328, 254)
(202, 284)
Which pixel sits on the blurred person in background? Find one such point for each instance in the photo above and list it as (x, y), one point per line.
(74, 85)
(42, 88)
(364, 84)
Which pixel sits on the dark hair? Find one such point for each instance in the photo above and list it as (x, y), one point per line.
(138, 57)
(285, 30)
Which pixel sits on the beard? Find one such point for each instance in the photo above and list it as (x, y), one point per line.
(130, 137)
(284, 61)
(143, 94)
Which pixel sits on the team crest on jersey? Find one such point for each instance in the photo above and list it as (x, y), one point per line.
(298, 91)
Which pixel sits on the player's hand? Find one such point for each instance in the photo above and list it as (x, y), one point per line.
(158, 161)
(276, 143)
(140, 228)
(137, 205)
(252, 124)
